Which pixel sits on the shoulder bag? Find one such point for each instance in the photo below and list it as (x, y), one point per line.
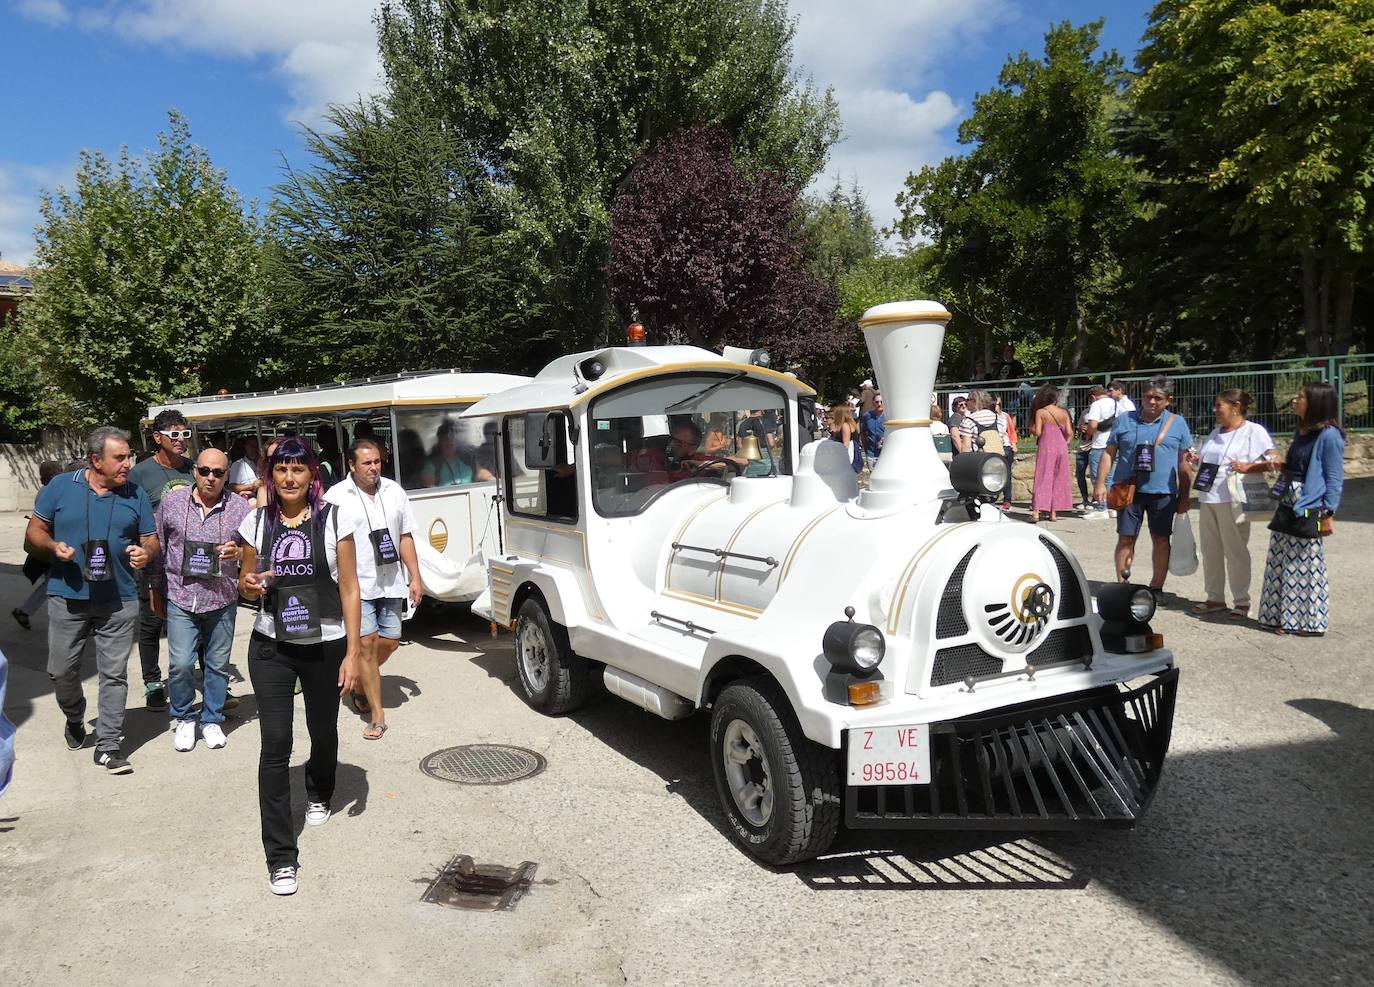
(1122, 493)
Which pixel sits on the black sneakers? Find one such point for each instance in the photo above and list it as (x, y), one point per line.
(113, 762)
(157, 695)
(21, 617)
(74, 734)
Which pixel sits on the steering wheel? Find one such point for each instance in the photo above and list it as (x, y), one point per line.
(695, 466)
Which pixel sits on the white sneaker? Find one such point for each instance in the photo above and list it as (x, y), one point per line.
(316, 813)
(213, 736)
(184, 735)
(283, 880)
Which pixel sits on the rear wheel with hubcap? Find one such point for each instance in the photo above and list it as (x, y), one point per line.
(780, 791)
(553, 679)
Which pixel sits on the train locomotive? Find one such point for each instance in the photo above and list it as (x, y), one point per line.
(899, 657)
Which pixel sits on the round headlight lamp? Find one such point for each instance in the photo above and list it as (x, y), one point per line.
(978, 474)
(851, 647)
(1126, 602)
(993, 474)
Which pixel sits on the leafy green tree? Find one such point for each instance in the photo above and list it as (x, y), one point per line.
(148, 286)
(1267, 107)
(393, 251)
(557, 101)
(1025, 223)
(21, 390)
(839, 230)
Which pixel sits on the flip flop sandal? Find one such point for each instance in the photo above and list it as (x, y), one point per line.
(1239, 615)
(380, 729)
(359, 703)
(1208, 607)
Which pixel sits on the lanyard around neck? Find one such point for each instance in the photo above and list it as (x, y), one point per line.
(109, 528)
(191, 502)
(367, 514)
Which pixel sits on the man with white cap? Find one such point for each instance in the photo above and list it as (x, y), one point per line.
(867, 392)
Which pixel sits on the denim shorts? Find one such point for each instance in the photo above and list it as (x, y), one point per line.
(382, 616)
(1161, 508)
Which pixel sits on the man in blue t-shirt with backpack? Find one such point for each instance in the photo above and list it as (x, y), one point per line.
(873, 426)
(1151, 445)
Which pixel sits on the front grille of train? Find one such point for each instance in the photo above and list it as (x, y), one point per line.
(1063, 646)
(950, 622)
(1071, 604)
(1091, 759)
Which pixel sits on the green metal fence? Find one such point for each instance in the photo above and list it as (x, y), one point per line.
(1272, 385)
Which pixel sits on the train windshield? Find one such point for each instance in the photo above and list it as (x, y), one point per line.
(688, 428)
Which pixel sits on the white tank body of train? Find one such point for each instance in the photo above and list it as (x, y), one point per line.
(905, 656)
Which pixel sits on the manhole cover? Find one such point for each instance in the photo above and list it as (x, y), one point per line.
(482, 764)
(464, 883)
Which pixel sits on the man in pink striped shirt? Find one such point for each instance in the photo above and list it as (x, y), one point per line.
(197, 528)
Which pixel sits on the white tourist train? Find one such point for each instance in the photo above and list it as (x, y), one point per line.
(445, 463)
(903, 657)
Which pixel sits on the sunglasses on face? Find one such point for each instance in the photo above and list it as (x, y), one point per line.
(214, 471)
(176, 433)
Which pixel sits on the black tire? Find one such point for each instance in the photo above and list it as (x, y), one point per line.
(803, 776)
(562, 687)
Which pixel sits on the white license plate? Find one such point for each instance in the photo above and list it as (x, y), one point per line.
(890, 755)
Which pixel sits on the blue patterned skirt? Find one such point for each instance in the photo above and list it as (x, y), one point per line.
(1295, 591)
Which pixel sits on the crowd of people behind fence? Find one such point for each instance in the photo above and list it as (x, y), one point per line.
(325, 558)
(1143, 467)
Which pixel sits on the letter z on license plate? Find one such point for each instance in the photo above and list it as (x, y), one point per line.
(890, 755)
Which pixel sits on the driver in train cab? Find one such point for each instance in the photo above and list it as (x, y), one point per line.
(687, 459)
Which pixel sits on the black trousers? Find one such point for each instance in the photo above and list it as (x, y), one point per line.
(273, 669)
(149, 638)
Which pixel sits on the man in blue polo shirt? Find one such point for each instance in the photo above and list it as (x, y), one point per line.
(1152, 442)
(97, 528)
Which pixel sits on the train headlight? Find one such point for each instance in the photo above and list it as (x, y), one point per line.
(1126, 609)
(1126, 602)
(981, 474)
(851, 647)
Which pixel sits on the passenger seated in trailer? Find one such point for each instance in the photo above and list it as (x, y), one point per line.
(446, 466)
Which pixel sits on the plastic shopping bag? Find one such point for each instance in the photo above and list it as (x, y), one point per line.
(1182, 548)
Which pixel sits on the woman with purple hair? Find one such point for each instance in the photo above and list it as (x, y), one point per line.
(298, 562)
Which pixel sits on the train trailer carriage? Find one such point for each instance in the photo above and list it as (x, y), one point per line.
(667, 522)
(446, 464)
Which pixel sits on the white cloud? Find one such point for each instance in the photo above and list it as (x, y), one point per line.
(19, 187)
(51, 12)
(881, 57)
(325, 50)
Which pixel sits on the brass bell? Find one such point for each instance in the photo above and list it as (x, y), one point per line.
(749, 448)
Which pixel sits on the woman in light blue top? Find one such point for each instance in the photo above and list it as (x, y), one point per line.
(1294, 596)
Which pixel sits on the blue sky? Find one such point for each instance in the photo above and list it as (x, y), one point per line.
(99, 75)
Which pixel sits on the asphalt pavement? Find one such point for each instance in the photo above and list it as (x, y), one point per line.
(1252, 865)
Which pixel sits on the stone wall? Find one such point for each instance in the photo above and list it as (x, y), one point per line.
(19, 481)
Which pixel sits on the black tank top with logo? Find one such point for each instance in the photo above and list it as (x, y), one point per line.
(303, 593)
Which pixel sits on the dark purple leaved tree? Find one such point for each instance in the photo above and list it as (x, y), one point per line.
(709, 254)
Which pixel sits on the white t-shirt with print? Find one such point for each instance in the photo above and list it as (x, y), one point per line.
(1248, 443)
(390, 507)
(251, 533)
(1101, 410)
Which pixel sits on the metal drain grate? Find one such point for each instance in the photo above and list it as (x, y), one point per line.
(464, 883)
(483, 764)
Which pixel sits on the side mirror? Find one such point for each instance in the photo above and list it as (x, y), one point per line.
(544, 443)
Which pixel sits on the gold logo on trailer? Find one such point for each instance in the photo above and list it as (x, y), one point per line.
(438, 535)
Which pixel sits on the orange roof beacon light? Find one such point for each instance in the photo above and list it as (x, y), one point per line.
(635, 334)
